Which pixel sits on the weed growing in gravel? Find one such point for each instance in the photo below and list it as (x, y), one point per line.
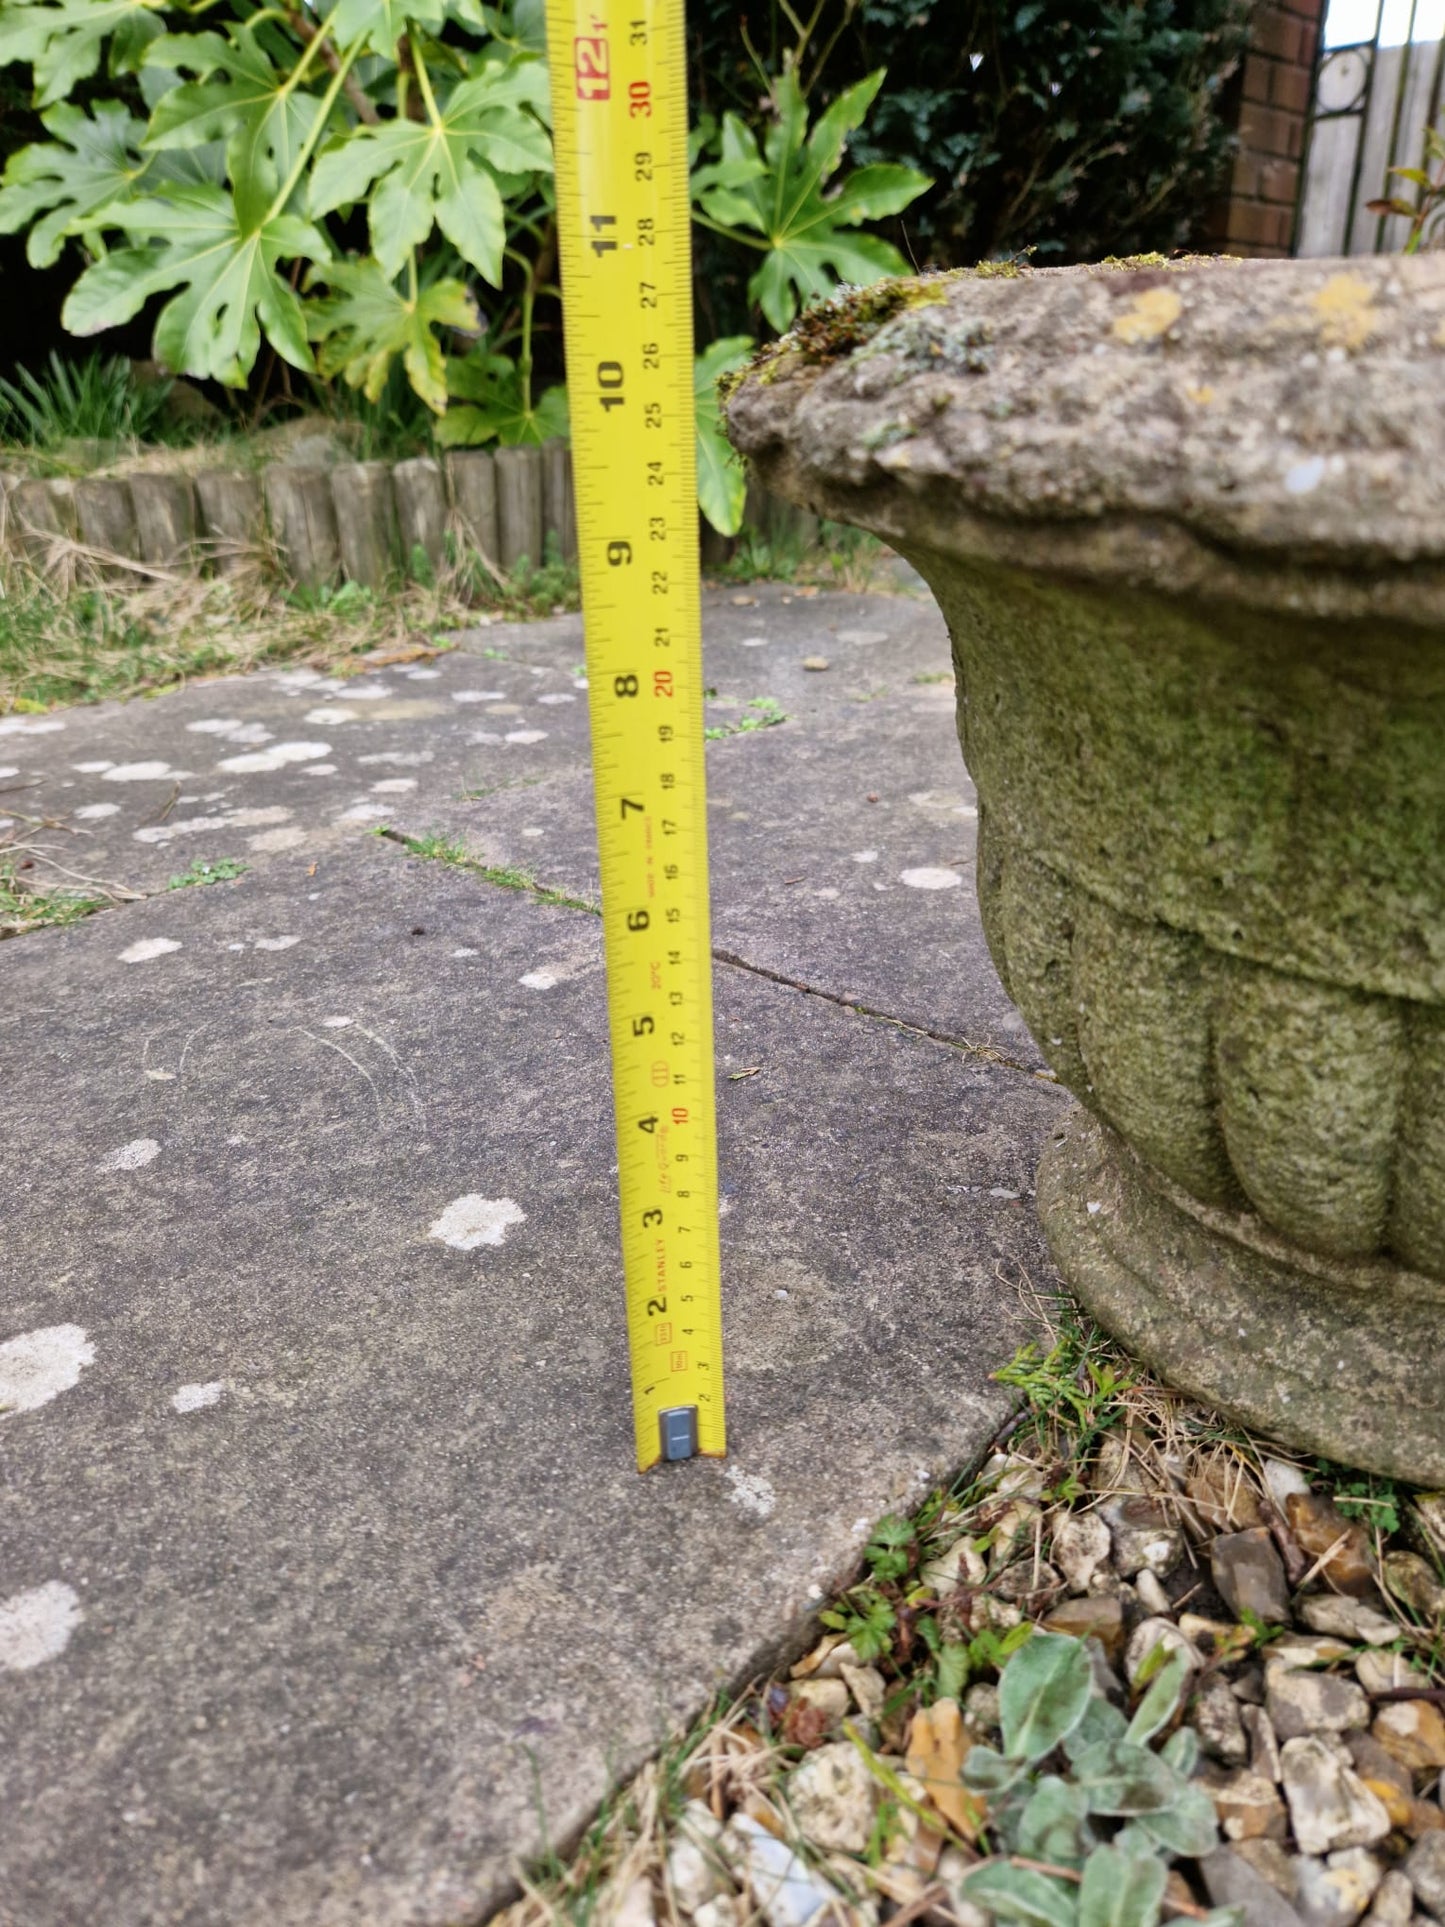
(943, 1753)
(222, 870)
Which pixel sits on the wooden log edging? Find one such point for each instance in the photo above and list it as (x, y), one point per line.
(362, 522)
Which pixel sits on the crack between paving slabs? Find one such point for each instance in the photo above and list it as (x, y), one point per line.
(507, 879)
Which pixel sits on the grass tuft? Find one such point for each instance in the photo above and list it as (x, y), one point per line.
(440, 849)
(24, 908)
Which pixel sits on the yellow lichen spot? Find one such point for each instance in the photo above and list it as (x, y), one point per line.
(1153, 314)
(1346, 311)
(1200, 396)
(1439, 336)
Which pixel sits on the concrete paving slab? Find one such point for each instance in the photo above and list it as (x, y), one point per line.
(244, 767)
(319, 1523)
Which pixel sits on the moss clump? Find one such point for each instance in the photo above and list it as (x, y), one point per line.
(831, 329)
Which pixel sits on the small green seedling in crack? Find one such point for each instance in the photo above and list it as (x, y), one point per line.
(224, 869)
(767, 713)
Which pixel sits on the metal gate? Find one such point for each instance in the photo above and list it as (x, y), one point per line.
(1377, 89)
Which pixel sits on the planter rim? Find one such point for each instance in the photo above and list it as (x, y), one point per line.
(1259, 431)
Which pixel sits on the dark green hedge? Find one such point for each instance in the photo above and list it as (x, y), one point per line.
(1080, 128)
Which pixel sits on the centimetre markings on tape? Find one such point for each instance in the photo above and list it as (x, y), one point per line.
(619, 110)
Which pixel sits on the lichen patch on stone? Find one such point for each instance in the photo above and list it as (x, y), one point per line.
(1153, 314)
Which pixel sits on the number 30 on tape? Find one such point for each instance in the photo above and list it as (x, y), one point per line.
(619, 110)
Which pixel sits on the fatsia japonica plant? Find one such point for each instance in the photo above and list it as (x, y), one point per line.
(346, 185)
(1087, 1808)
(347, 182)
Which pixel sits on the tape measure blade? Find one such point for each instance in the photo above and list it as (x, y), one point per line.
(620, 132)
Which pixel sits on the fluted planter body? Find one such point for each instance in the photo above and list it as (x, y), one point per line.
(1187, 526)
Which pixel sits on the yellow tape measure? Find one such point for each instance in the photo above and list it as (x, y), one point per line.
(619, 112)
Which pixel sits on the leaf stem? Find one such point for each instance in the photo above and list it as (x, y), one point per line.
(731, 233)
(328, 101)
(424, 82)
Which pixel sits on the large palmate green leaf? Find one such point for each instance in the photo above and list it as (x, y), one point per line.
(778, 195)
(448, 171)
(722, 482)
(238, 95)
(496, 405)
(226, 272)
(57, 185)
(380, 24)
(366, 322)
(62, 39)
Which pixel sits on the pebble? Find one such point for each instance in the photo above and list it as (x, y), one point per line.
(1336, 1892)
(1329, 1804)
(1081, 1545)
(961, 1565)
(1282, 1481)
(1425, 1521)
(1143, 1538)
(1383, 1672)
(868, 1688)
(1425, 1870)
(724, 1911)
(634, 1908)
(1218, 1639)
(1413, 1731)
(1026, 1578)
(1303, 1703)
(1249, 1575)
(830, 1696)
(1271, 1863)
(980, 1708)
(1150, 1633)
(786, 1891)
(1232, 1882)
(694, 1865)
(1298, 1650)
(1014, 1527)
(1394, 1902)
(1222, 1497)
(1263, 1742)
(1249, 1807)
(1412, 1581)
(1152, 1596)
(1372, 1762)
(1318, 1524)
(815, 662)
(832, 1795)
(1099, 1617)
(1215, 1718)
(1347, 1619)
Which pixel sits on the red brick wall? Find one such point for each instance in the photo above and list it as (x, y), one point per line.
(1270, 104)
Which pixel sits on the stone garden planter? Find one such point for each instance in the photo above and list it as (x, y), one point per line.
(1187, 525)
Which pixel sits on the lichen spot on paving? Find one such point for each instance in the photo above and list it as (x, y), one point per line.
(147, 949)
(194, 1398)
(928, 878)
(538, 980)
(153, 772)
(39, 1365)
(130, 1157)
(751, 1491)
(474, 1220)
(36, 1625)
(256, 762)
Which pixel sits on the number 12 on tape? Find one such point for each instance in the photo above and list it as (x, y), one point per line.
(619, 111)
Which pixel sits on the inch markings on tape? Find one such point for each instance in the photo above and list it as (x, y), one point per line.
(619, 112)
